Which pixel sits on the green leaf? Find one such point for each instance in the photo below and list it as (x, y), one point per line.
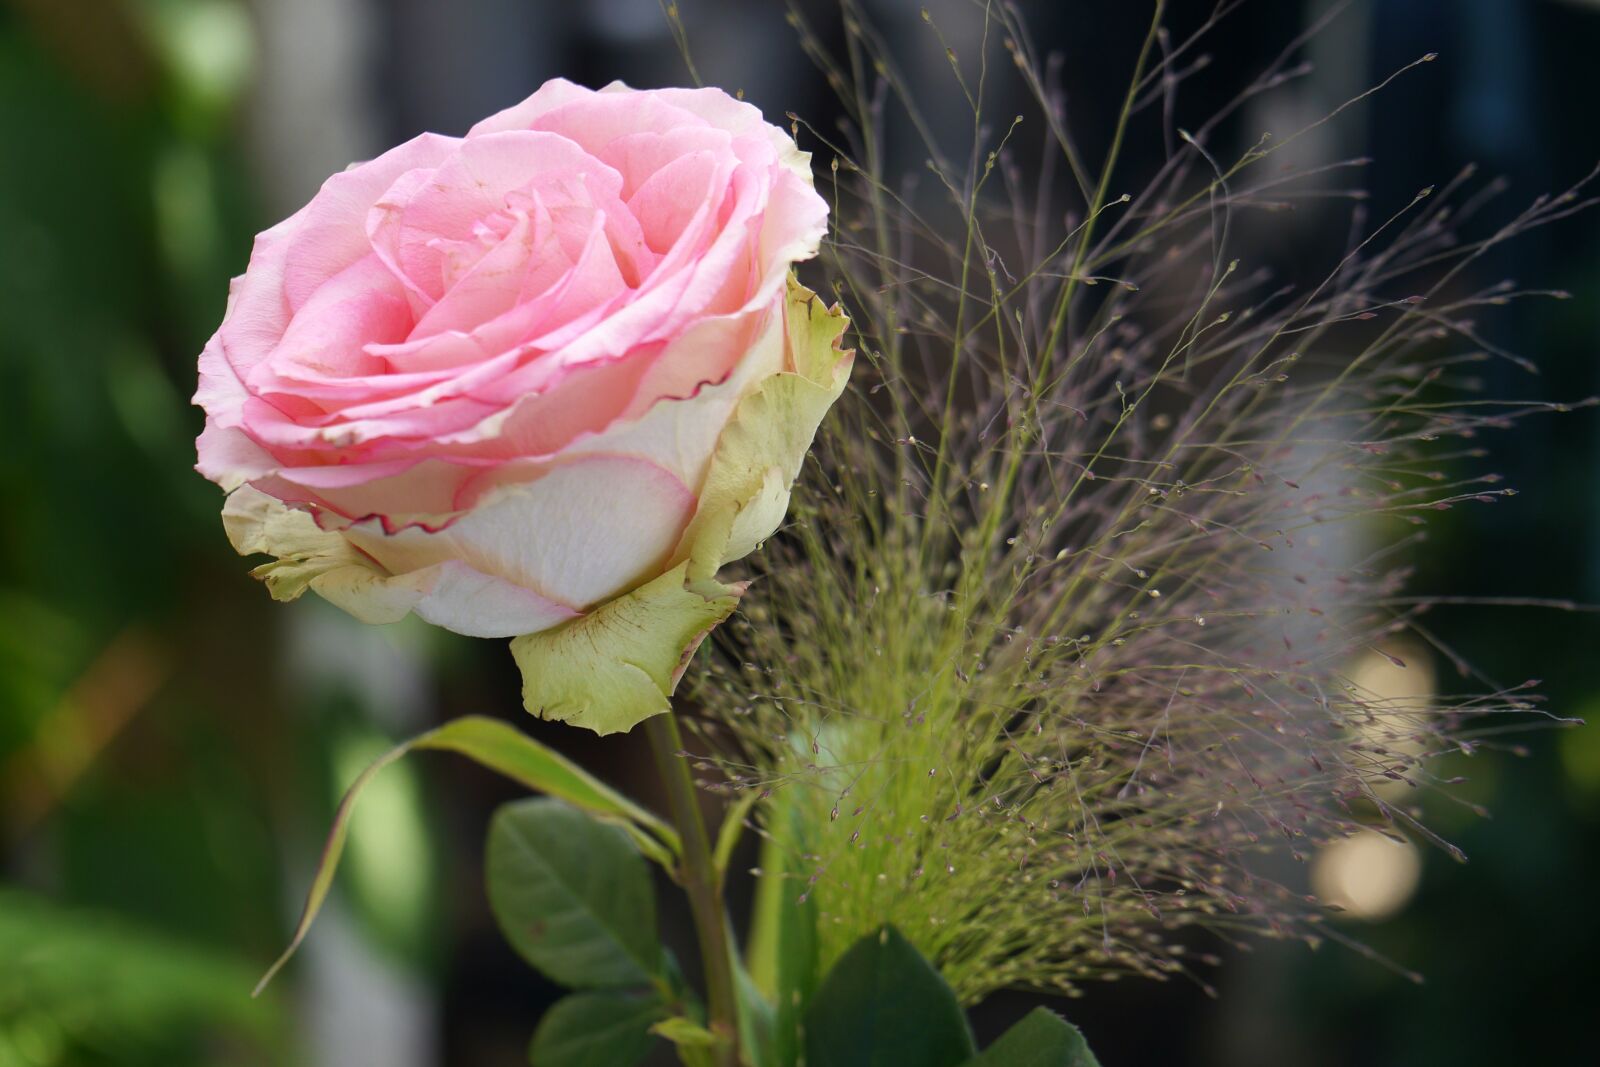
(883, 1005)
(783, 928)
(502, 747)
(684, 1032)
(618, 665)
(600, 1029)
(572, 895)
(1041, 1039)
(499, 747)
(695, 1045)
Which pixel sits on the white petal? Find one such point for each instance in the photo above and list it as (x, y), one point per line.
(459, 598)
(578, 534)
(449, 594)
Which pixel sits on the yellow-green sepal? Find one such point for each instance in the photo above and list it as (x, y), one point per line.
(758, 457)
(619, 664)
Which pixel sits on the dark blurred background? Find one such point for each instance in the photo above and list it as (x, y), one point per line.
(171, 743)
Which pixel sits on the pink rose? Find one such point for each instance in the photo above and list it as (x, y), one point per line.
(498, 380)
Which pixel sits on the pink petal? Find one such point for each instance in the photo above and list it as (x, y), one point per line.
(596, 120)
(683, 404)
(229, 457)
(394, 493)
(326, 338)
(794, 224)
(253, 324)
(669, 199)
(586, 402)
(473, 185)
(549, 96)
(426, 360)
(330, 233)
(493, 285)
(742, 120)
(636, 156)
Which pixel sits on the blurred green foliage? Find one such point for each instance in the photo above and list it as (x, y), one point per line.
(124, 789)
(115, 993)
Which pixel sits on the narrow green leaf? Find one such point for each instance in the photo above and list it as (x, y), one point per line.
(572, 895)
(499, 747)
(755, 1022)
(600, 1029)
(1041, 1039)
(502, 747)
(731, 830)
(883, 1005)
(783, 934)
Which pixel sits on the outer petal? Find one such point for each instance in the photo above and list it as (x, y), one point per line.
(229, 457)
(578, 533)
(258, 523)
(433, 491)
(451, 595)
(758, 457)
(619, 664)
(456, 597)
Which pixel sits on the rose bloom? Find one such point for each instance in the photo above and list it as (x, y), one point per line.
(551, 373)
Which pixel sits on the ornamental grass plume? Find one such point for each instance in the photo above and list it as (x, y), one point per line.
(1052, 661)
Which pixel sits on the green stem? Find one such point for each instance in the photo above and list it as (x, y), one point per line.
(698, 875)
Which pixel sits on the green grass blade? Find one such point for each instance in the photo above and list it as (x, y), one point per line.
(499, 747)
